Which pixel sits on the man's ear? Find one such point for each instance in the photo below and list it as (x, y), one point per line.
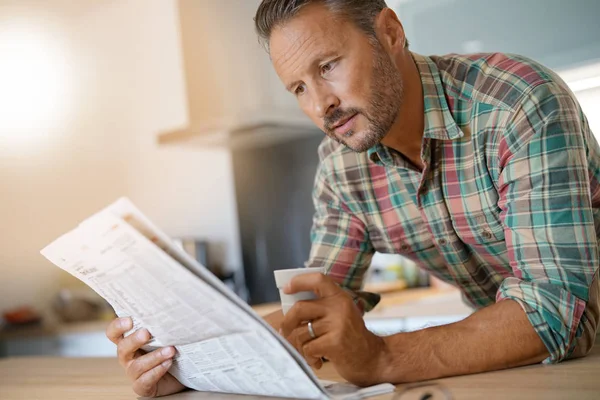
(389, 31)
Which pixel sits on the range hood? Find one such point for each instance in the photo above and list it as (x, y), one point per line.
(234, 97)
(248, 131)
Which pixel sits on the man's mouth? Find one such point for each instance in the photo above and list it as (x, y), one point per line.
(344, 126)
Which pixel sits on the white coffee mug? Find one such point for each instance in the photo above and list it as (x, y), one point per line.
(284, 276)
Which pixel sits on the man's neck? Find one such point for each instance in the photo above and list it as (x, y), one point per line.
(406, 135)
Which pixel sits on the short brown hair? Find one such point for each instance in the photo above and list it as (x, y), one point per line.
(273, 13)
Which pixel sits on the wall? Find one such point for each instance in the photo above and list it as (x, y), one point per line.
(188, 192)
(123, 85)
(53, 171)
(557, 33)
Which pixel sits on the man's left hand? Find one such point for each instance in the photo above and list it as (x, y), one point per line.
(341, 336)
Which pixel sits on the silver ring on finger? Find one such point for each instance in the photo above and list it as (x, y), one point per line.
(311, 331)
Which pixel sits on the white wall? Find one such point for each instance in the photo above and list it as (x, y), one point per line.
(53, 172)
(188, 192)
(124, 68)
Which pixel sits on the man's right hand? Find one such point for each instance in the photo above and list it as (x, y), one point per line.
(275, 319)
(147, 371)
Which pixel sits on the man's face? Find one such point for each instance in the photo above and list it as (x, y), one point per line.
(343, 79)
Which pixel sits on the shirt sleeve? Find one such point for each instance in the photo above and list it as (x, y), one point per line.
(546, 207)
(340, 241)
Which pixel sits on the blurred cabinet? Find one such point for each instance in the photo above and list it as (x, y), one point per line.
(273, 189)
(557, 33)
(89, 344)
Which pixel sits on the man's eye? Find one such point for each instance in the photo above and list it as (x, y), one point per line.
(326, 68)
(299, 90)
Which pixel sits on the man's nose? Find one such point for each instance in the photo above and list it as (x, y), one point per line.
(325, 101)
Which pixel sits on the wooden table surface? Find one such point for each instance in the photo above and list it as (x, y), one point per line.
(87, 378)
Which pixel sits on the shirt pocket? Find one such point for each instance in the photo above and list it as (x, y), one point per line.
(480, 228)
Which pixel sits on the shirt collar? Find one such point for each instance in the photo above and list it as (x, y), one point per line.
(439, 123)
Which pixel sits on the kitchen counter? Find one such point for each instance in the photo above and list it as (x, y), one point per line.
(88, 378)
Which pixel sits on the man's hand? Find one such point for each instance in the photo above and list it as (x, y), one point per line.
(274, 319)
(341, 336)
(147, 371)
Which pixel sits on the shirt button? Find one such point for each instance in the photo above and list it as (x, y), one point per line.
(443, 242)
(486, 235)
(424, 191)
(404, 248)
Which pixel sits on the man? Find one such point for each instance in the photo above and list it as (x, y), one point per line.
(481, 168)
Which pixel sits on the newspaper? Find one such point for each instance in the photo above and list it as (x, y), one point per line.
(222, 345)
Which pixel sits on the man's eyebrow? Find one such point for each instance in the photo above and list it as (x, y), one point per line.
(316, 60)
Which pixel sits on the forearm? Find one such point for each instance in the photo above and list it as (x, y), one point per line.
(497, 337)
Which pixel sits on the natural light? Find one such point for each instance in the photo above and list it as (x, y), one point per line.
(585, 83)
(34, 82)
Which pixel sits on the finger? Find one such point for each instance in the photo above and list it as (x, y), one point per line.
(127, 347)
(301, 312)
(145, 363)
(147, 384)
(168, 384)
(302, 334)
(319, 284)
(313, 361)
(317, 364)
(117, 328)
(292, 339)
(298, 339)
(316, 348)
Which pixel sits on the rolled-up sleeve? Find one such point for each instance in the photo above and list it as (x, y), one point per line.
(544, 188)
(340, 240)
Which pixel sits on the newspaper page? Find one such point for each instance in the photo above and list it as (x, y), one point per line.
(222, 344)
(220, 347)
(124, 209)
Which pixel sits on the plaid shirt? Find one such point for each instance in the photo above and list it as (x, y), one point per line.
(507, 207)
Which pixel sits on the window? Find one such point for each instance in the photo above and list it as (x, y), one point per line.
(585, 83)
(590, 103)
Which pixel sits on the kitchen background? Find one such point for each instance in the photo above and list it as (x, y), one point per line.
(175, 105)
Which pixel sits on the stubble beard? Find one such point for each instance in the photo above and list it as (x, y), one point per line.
(387, 94)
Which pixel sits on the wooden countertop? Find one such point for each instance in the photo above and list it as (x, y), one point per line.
(88, 378)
